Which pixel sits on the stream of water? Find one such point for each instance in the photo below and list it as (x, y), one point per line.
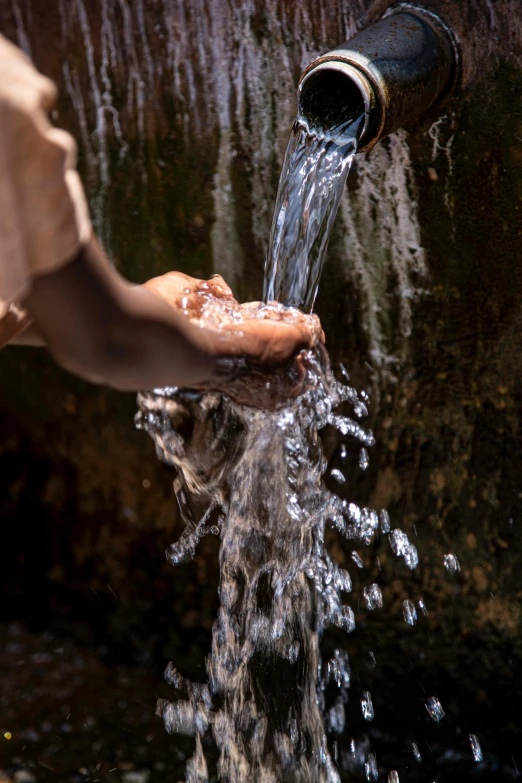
(312, 180)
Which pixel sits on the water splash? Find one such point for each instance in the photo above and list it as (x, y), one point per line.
(476, 748)
(373, 597)
(265, 699)
(367, 706)
(451, 564)
(409, 612)
(434, 708)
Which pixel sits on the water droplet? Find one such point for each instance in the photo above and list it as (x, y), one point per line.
(398, 542)
(294, 732)
(409, 612)
(434, 708)
(370, 767)
(337, 717)
(323, 751)
(422, 607)
(291, 446)
(384, 518)
(352, 747)
(373, 660)
(343, 453)
(347, 619)
(416, 753)
(393, 777)
(475, 748)
(286, 419)
(360, 410)
(357, 560)
(338, 476)
(353, 512)
(367, 706)
(451, 564)
(364, 459)
(344, 373)
(342, 581)
(338, 669)
(411, 557)
(373, 597)
(368, 525)
(347, 426)
(401, 547)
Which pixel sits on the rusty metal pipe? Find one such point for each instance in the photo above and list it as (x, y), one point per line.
(394, 70)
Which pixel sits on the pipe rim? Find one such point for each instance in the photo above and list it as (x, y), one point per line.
(354, 67)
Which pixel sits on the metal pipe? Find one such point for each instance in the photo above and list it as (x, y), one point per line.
(395, 70)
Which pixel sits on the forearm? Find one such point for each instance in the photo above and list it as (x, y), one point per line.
(104, 329)
(145, 346)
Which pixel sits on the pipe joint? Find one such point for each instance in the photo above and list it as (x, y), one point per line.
(393, 71)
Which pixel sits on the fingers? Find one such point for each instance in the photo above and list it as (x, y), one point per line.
(23, 86)
(216, 287)
(174, 284)
(172, 287)
(266, 342)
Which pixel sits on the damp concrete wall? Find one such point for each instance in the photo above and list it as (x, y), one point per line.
(182, 111)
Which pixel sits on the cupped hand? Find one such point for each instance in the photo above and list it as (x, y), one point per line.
(272, 340)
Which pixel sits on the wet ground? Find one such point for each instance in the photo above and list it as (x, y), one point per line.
(66, 715)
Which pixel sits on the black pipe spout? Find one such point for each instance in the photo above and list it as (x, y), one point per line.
(396, 69)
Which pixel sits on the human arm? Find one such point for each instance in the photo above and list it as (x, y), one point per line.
(101, 327)
(93, 321)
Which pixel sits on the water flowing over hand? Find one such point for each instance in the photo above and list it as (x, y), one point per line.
(263, 348)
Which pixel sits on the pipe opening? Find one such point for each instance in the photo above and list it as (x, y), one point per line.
(334, 94)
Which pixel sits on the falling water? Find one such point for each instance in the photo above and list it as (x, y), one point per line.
(312, 180)
(254, 478)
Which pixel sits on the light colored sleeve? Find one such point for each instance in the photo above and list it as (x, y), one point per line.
(44, 218)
